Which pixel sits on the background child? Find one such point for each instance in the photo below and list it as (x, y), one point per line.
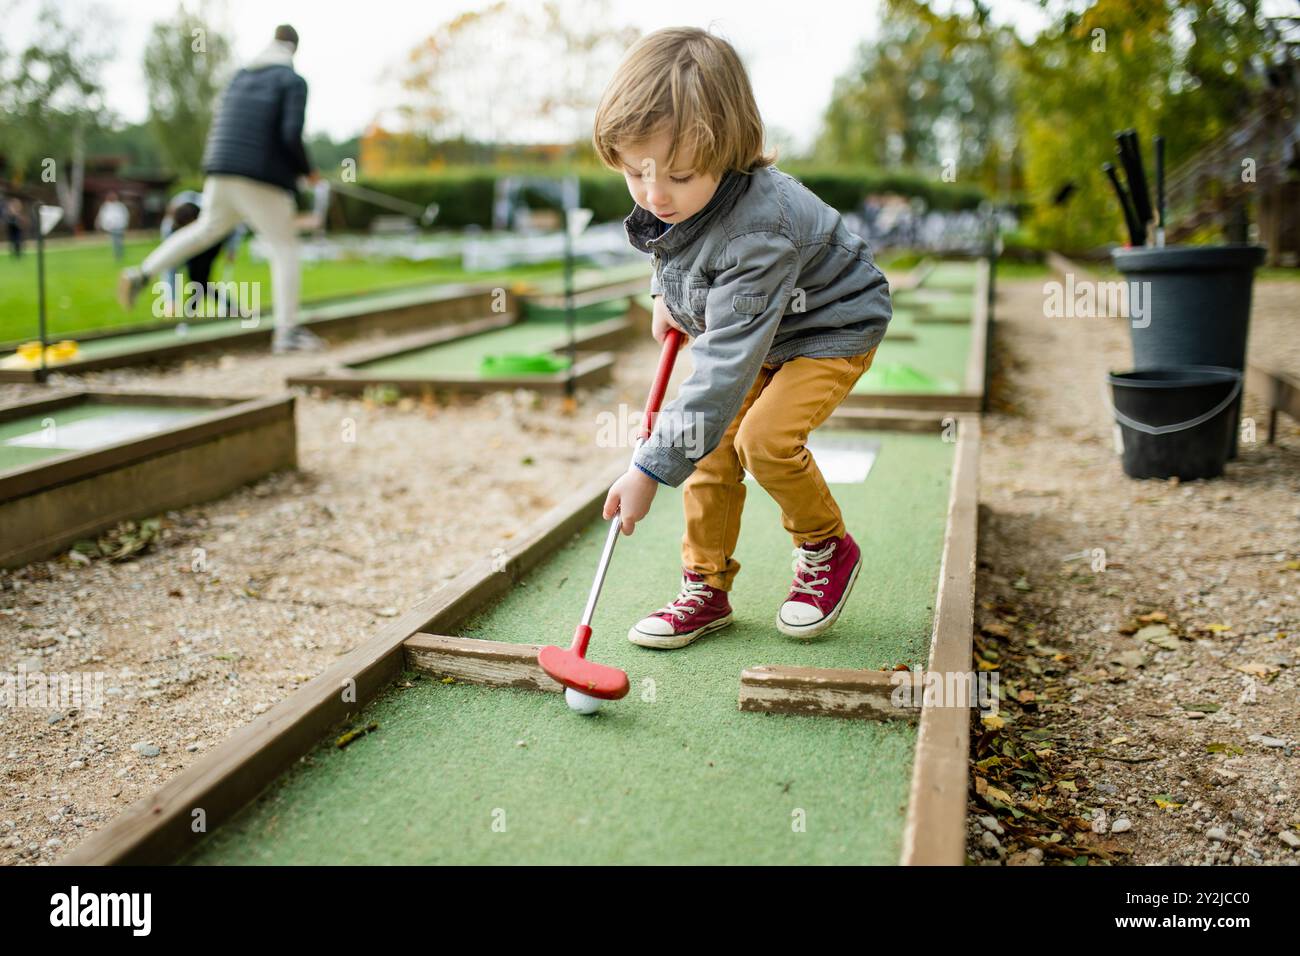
(785, 308)
(113, 218)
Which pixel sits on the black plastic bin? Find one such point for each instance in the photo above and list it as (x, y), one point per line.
(1199, 306)
(1176, 421)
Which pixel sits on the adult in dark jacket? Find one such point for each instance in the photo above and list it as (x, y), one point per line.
(252, 162)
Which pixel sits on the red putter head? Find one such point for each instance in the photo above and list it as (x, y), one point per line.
(571, 669)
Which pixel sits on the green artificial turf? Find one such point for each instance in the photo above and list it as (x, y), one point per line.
(511, 364)
(934, 362)
(17, 456)
(675, 772)
(958, 276)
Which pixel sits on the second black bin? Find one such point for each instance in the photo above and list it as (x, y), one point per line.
(1176, 421)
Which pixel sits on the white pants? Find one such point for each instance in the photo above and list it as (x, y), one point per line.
(228, 201)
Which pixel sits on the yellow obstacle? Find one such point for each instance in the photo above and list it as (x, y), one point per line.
(28, 354)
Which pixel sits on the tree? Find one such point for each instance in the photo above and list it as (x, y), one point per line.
(51, 99)
(512, 74)
(931, 91)
(1187, 69)
(185, 67)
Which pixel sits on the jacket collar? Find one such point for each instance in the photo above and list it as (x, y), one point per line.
(647, 232)
(275, 53)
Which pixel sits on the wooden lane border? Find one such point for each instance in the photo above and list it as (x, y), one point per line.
(443, 304)
(971, 398)
(1280, 391)
(828, 692)
(476, 661)
(935, 829)
(978, 356)
(48, 504)
(158, 828)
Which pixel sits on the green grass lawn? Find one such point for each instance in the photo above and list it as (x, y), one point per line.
(81, 284)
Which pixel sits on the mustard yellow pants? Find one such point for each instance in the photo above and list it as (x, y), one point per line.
(768, 439)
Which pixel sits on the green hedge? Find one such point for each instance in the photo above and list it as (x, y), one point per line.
(464, 196)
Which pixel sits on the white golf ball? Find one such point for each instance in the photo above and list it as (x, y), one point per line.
(580, 702)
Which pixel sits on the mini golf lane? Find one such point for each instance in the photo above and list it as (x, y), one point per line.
(955, 275)
(934, 362)
(463, 356)
(84, 427)
(677, 776)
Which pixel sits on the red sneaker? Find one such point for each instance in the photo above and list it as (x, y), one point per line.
(697, 609)
(824, 576)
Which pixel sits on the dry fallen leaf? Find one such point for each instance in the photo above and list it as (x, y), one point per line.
(1256, 669)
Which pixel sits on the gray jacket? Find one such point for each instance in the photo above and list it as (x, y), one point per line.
(764, 273)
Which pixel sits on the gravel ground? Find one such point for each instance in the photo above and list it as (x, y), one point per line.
(1150, 696)
(301, 567)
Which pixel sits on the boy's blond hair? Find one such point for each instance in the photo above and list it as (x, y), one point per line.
(692, 83)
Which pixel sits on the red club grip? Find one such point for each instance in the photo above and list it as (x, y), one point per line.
(672, 341)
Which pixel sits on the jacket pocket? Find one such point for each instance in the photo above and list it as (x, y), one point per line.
(697, 297)
(749, 304)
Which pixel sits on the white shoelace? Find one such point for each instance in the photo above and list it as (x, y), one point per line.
(810, 562)
(691, 591)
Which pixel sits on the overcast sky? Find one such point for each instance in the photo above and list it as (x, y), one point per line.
(348, 44)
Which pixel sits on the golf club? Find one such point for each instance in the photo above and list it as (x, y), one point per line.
(587, 683)
(1131, 158)
(1125, 204)
(1160, 190)
(425, 215)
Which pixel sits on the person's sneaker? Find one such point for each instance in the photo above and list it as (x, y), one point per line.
(824, 576)
(297, 339)
(697, 610)
(130, 283)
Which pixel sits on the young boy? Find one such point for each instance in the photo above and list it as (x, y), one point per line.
(785, 308)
